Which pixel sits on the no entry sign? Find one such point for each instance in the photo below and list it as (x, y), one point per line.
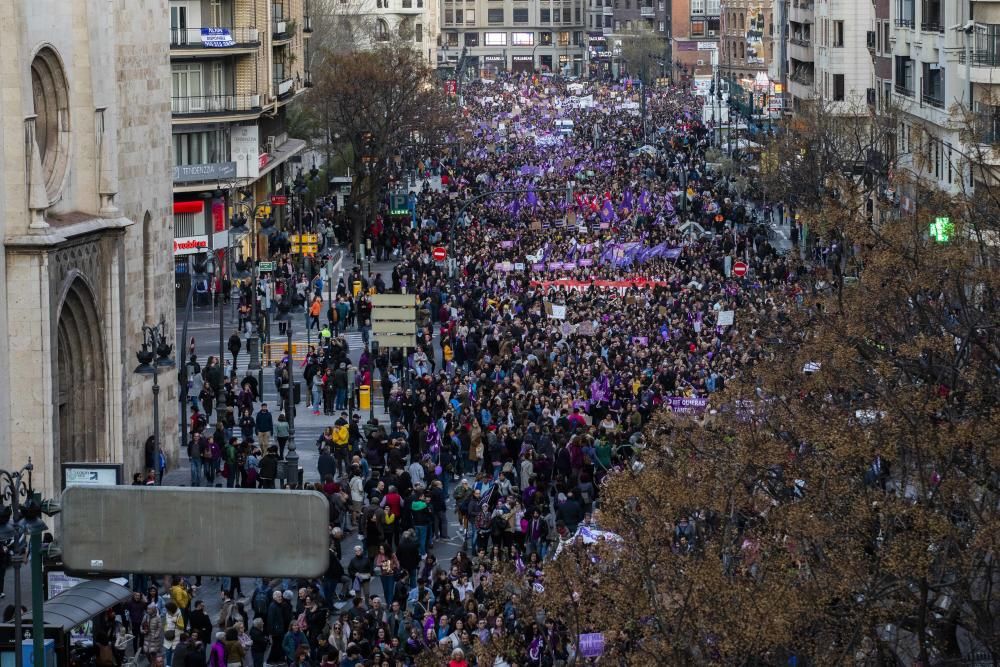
(739, 269)
(439, 253)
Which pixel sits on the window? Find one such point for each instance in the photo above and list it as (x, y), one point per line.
(449, 16)
(495, 38)
(576, 14)
(838, 87)
(382, 31)
(494, 16)
(904, 13)
(697, 28)
(567, 15)
(886, 46)
(459, 17)
(563, 39)
(199, 148)
(418, 34)
(697, 6)
(545, 39)
(546, 16)
(577, 38)
(712, 8)
(742, 26)
(452, 39)
(933, 85)
(904, 75)
(472, 39)
(470, 17)
(520, 15)
(838, 34)
(661, 26)
(522, 38)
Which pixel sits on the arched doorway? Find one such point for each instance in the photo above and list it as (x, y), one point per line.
(80, 378)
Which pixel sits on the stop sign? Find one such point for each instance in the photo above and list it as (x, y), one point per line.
(439, 253)
(739, 269)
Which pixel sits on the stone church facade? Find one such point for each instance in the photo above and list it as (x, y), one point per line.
(86, 222)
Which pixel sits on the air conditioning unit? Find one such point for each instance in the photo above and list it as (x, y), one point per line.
(701, 62)
(711, 33)
(255, 101)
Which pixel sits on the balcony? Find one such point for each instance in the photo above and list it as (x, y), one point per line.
(986, 126)
(609, 11)
(282, 30)
(284, 88)
(213, 42)
(203, 106)
(903, 90)
(932, 26)
(904, 23)
(800, 41)
(646, 12)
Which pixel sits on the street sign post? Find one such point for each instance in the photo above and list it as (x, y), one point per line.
(394, 320)
(440, 253)
(739, 269)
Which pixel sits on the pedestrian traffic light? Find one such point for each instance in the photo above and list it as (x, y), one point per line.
(942, 229)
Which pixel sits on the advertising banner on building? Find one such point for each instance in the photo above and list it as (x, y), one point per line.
(244, 142)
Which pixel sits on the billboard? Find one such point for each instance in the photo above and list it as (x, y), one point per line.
(205, 531)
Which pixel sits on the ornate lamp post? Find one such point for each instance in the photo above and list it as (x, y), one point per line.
(155, 348)
(21, 528)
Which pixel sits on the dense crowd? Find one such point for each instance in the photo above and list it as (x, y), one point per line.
(591, 284)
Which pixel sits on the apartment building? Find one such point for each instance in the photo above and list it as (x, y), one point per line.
(694, 33)
(828, 56)
(514, 35)
(373, 21)
(235, 67)
(747, 39)
(931, 89)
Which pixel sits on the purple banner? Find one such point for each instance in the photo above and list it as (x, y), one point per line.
(554, 266)
(682, 405)
(569, 266)
(592, 645)
(540, 266)
(506, 244)
(672, 253)
(585, 262)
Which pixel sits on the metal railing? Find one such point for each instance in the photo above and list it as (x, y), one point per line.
(191, 38)
(904, 23)
(800, 41)
(986, 126)
(932, 26)
(903, 90)
(646, 11)
(284, 87)
(931, 99)
(197, 105)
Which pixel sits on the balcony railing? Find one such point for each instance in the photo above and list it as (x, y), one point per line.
(646, 12)
(903, 90)
(932, 100)
(213, 105)
(284, 87)
(986, 52)
(214, 38)
(800, 41)
(932, 26)
(904, 23)
(987, 126)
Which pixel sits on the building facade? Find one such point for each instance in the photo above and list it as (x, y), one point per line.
(235, 67)
(930, 89)
(514, 35)
(827, 45)
(746, 45)
(87, 229)
(364, 23)
(695, 28)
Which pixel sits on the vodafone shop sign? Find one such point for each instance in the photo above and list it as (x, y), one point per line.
(190, 245)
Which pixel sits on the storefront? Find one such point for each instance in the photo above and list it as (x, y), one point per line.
(492, 65)
(600, 56)
(522, 64)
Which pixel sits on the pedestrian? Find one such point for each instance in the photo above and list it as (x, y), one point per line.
(264, 424)
(152, 633)
(281, 434)
(235, 344)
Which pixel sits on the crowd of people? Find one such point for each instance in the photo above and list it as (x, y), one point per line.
(602, 270)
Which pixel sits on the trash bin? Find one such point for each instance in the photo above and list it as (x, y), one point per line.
(365, 397)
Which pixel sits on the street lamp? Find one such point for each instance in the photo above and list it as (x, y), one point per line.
(20, 516)
(155, 348)
(292, 456)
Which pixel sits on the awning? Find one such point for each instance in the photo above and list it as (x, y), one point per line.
(82, 603)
